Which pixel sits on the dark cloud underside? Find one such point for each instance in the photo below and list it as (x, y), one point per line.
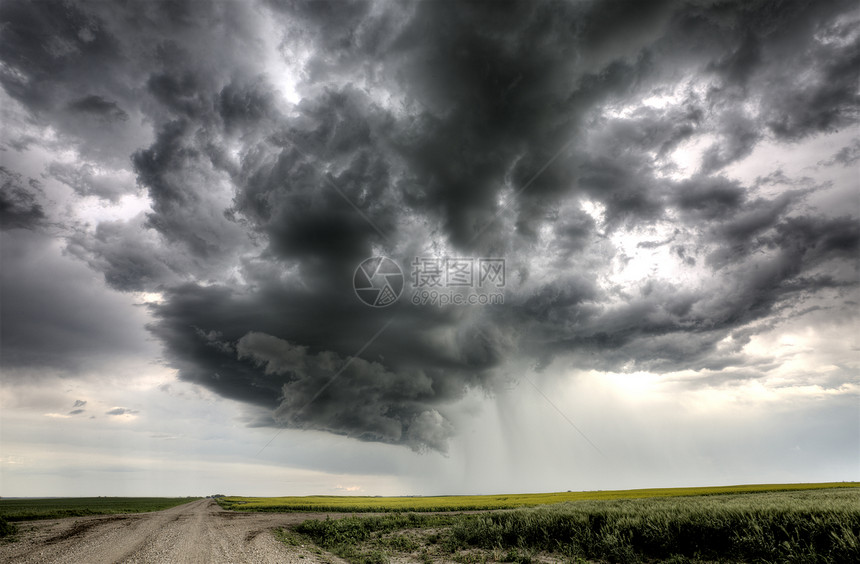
(470, 128)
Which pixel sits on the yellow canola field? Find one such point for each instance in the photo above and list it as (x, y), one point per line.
(484, 502)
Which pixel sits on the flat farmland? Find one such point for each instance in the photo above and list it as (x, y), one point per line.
(25, 509)
(489, 502)
(808, 523)
(801, 525)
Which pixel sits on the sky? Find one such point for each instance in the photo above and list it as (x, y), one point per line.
(611, 245)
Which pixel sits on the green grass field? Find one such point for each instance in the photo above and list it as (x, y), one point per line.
(50, 508)
(800, 525)
(355, 504)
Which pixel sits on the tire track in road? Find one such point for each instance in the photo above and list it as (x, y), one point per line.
(196, 532)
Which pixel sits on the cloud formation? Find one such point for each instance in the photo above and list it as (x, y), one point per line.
(120, 411)
(590, 144)
(19, 206)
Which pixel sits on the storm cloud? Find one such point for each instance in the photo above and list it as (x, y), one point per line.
(589, 144)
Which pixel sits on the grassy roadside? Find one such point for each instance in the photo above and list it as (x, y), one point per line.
(7, 529)
(355, 504)
(793, 526)
(51, 508)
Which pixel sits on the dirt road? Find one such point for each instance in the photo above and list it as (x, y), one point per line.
(197, 532)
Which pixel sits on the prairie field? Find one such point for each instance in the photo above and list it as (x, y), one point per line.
(359, 504)
(26, 509)
(803, 525)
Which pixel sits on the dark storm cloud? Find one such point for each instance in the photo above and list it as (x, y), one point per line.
(739, 135)
(56, 316)
(573, 232)
(323, 191)
(647, 333)
(846, 156)
(220, 338)
(741, 234)
(180, 178)
(19, 203)
(98, 106)
(47, 47)
(366, 385)
(738, 66)
(466, 128)
(245, 104)
(827, 101)
(87, 180)
(128, 255)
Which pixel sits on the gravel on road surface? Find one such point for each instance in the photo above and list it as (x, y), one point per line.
(196, 532)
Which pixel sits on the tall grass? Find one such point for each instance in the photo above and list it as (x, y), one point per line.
(7, 529)
(805, 527)
(822, 526)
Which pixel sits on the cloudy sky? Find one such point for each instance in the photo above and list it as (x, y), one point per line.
(189, 187)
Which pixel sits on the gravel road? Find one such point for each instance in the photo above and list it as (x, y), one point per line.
(196, 532)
